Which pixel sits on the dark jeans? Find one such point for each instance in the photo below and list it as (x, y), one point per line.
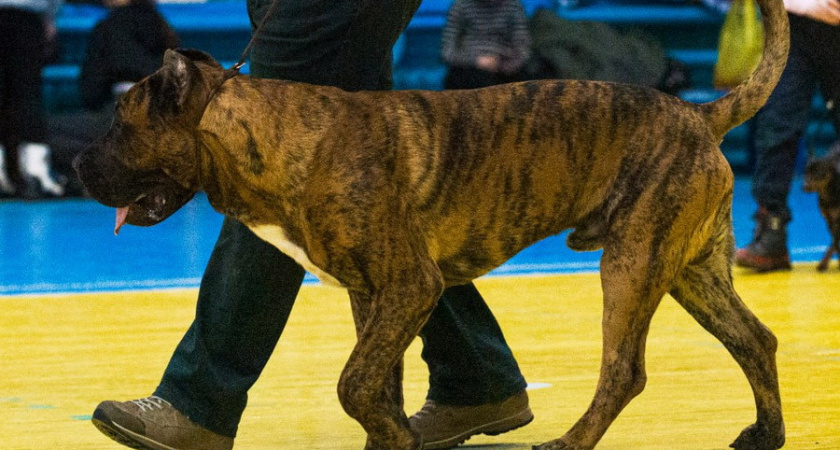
(21, 61)
(249, 287)
(814, 62)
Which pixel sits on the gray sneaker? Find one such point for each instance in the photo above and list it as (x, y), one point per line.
(444, 426)
(152, 423)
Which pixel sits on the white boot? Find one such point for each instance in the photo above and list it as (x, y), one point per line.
(6, 186)
(33, 160)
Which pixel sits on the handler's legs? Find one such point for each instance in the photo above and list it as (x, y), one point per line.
(249, 287)
(475, 386)
(246, 296)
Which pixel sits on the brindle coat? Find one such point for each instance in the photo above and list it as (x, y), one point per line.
(396, 195)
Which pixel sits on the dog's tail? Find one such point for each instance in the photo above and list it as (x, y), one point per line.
(743, 101)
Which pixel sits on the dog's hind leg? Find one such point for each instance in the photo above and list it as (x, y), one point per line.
(705, 290)
(387, 320)
(633, 289)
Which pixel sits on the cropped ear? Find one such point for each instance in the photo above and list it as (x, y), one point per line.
(180, 76)
(199, 56)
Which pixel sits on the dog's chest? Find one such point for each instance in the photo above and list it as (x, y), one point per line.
(276, 236)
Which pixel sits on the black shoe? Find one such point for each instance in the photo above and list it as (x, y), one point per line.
(768, 250)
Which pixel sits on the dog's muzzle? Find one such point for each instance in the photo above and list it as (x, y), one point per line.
(142, 198)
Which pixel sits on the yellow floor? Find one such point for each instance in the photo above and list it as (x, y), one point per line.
(62, 355)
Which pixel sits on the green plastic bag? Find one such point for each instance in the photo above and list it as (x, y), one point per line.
(741, 44)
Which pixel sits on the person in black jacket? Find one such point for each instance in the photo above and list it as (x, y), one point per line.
(124, 48)
(28, 30)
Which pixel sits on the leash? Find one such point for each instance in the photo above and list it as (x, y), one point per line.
(234, 70)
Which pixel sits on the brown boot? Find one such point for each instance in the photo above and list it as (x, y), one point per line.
(443, 426)
(152, 423)
(768, 250)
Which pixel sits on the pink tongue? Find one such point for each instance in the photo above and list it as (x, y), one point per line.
(122, 213)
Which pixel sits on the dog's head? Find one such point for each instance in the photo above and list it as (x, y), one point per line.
(819, 172)
(147, 165)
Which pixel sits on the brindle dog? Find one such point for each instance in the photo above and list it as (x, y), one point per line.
(396, 195)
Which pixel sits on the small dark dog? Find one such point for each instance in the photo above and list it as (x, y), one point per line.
(822, 175)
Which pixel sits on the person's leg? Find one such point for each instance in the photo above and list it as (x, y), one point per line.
(824, 51)
(469, 361)
(475, 385)
(25, 104)
(245, 299)
(779, 126)
(7, 187)
(23, 75)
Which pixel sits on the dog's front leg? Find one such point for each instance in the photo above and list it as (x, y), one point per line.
(370, 388)
(392, 391)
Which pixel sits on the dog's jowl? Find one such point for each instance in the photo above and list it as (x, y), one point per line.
(396, 195)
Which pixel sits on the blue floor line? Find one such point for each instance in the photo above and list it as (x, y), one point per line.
(68, 246)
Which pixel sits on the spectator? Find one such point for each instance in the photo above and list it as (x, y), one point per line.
(28, 30)
(814, 62)
(485, 42)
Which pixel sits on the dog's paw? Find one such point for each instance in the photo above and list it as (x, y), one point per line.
(413, 442)
(758, 437)
(559, 444)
